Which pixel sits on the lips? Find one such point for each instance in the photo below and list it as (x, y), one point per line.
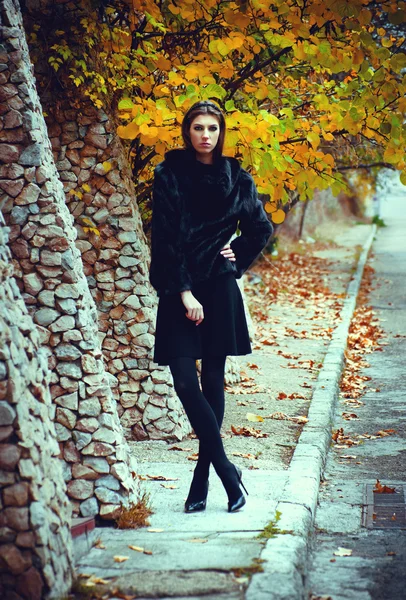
(206, 145)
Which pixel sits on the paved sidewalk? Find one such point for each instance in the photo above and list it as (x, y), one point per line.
(296, 304)
(375, 564)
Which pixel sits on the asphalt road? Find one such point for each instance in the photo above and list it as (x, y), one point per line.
(376, 568)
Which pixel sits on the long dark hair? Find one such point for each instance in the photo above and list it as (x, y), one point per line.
(204, 107)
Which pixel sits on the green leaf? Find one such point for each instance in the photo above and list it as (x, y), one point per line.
(213, 91)
(229, 105)
(125, 104)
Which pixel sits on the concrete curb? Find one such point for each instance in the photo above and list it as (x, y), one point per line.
(285, 555)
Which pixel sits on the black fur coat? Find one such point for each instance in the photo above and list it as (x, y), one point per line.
(196, 210)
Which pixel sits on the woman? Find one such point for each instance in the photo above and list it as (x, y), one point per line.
(199, 198)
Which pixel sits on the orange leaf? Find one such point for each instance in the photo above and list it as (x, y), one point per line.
(383, 489)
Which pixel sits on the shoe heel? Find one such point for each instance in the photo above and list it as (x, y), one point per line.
(244, 488)
(239, 473)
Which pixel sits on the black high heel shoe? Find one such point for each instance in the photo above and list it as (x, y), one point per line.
(197, 505)
(239, 503)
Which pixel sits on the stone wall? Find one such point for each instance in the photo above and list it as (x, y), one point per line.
(115, 255)
(35, 543)
(49, 273)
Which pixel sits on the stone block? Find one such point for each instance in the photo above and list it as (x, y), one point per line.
(16, 495)
(80, 489)
(9, 456)
(7, 412)
(99, 449)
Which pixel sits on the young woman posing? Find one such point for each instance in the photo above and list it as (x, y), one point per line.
(199, 198)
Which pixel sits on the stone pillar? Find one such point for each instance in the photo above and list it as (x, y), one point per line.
(49, 274)
(35, 542)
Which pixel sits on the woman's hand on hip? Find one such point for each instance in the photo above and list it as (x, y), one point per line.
(227, 252)
(193, 307)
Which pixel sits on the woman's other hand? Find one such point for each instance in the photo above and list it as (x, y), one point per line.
(227, 252)
(193, 307)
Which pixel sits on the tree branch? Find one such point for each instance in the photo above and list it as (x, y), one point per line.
(233, 86)
(367, 167)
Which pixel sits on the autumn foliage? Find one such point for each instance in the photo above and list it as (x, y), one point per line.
(310, 87)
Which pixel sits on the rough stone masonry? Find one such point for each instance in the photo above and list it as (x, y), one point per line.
(35, 542)
(49, 273)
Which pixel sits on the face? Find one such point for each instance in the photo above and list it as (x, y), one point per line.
(204, 133)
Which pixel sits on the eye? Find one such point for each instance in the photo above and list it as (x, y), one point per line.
(213, 128)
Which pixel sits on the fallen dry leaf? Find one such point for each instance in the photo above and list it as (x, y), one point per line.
(300, 419)
(116, 593)
(193, 456)
(136, 548)
(385, 432)
(383, 489)
(168, 486)
(93, 580)
(162, 478)
(349, 416)
(279, 416)
(155, 530)
(179, 449)
(250, 456)
(254, 418)
(99, 545)
(343, 551)
(120, 559)
(198, 540)
(248, 432)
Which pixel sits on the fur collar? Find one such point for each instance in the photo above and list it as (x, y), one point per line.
(212, 187)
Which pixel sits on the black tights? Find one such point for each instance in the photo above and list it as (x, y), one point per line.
(205, 410)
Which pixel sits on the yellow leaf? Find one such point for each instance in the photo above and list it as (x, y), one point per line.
(270, 207)
(175, 10)
(120, 559)
(76, 193)
(107, 166)
(343, 552)
(254, 418)
(278, 216)
(314, 139)
(136, 548)
(163, 63)
(86, 187)
(91, 229)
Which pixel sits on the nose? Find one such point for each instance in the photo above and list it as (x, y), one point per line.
(205, 135)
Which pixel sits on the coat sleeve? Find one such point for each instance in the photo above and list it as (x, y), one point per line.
(168, 272)
(254, 226)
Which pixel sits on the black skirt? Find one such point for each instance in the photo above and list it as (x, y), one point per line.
(223, 331)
